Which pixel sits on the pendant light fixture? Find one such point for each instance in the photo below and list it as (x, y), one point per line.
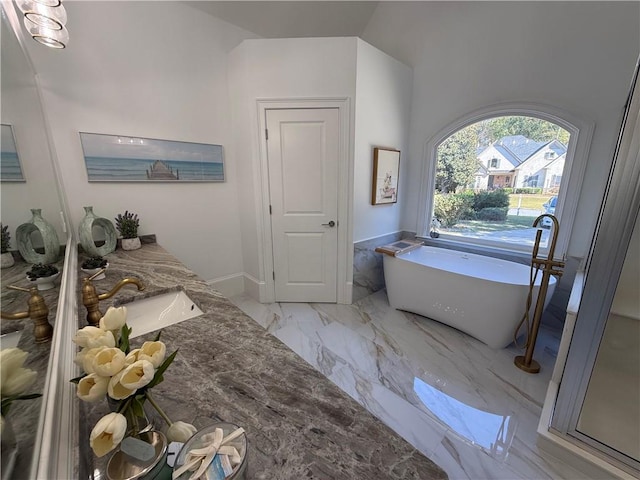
(45, 21)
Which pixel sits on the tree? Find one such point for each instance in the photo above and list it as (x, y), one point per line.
(457, 160)
(533, 128)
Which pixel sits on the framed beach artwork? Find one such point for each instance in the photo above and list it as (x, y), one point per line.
(10, 169)
(119, 158)
(386, 168)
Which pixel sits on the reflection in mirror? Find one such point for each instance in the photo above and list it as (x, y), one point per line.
(21, 109)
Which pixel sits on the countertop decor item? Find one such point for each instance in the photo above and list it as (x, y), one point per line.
(125, 377)
(15, 380)
(43, 276)
(91, 266)
(221, 447)
(50, 242)
(127, 224)
(85, 230)
(6, 257)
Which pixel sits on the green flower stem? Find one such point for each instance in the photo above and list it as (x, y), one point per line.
(160, 411)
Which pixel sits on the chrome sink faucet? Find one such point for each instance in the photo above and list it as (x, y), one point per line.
(91, 299)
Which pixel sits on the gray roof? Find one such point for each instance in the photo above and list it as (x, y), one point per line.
(520, 146)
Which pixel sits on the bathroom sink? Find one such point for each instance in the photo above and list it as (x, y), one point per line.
(153, 313)
(10, 340)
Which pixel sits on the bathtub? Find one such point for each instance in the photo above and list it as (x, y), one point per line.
(481, 296)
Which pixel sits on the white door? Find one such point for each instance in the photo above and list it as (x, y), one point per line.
(303, 153)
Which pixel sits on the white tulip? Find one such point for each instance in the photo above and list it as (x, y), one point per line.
(108, 433)
(115, 388)
(114, 319)
(93, 337)
(108, 361)
(180, 432)
(92, 387)
(10, 360)
(88, 356)
(137, 375)
(17, 381)
(132, 356)
(154, 352)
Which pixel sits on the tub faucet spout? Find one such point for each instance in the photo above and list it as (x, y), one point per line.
(91, 299)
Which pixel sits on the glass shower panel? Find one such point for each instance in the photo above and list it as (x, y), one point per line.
(611, 410)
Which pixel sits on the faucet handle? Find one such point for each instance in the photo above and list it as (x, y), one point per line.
(21, 289)
(102, 270)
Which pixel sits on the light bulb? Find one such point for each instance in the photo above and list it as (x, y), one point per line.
(47, 36)
(50, 17)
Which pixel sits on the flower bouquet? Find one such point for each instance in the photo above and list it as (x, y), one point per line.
(124, 376)
(15, 379)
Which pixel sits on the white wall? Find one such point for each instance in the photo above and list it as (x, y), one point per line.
(22, 110)
(156, 70)
(383, 107)
(577, 56)
(278, 69)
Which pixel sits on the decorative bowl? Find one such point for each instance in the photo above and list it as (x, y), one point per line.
(45, 283)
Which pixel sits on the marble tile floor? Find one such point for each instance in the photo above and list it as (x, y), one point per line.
(462, 404)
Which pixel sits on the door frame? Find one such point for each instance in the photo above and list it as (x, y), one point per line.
(345, 193)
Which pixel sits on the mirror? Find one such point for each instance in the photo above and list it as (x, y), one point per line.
(23, 111)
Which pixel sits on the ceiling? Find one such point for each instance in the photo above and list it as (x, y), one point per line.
(290, 19)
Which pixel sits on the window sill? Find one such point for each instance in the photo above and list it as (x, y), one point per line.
(488, 251)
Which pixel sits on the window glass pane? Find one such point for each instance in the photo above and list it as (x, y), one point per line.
(495, 177)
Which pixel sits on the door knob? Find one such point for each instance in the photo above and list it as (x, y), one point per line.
(330, 224)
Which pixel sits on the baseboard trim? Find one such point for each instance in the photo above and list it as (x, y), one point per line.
(229, 285)
(571, 454)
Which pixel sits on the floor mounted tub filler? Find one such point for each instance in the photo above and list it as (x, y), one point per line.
(482, 296)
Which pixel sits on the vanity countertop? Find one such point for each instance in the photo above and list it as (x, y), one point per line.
(24, 415)
(298, 423)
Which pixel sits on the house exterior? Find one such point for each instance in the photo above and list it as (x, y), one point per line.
(517, 161)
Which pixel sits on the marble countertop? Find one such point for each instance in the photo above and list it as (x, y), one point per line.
(24, 415)
(228, 368)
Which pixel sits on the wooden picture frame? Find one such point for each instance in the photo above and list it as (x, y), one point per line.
(386, 170)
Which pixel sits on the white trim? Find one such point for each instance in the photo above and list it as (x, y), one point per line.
(253, 286)
(580, 130)
(345, 193)
(54, 453)
(229, 285)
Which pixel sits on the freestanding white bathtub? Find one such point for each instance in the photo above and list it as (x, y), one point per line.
(481, 296)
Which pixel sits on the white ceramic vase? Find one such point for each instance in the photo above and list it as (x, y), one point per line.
(131, 243)
(6, 260)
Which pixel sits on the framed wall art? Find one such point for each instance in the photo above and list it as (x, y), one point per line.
(10, 169)
(386, 168)
(119, 158)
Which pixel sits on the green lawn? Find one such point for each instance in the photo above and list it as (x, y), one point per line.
(528, 200)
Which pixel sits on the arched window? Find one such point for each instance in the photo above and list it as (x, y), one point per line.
(490, 175)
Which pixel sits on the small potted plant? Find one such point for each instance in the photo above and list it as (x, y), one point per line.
(127, 225)
(6, 257)
(92, 265)
(43, 275)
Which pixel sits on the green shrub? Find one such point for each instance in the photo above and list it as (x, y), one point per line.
(493, 214)
(490, 199)
(449, 208)
(508, 190)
